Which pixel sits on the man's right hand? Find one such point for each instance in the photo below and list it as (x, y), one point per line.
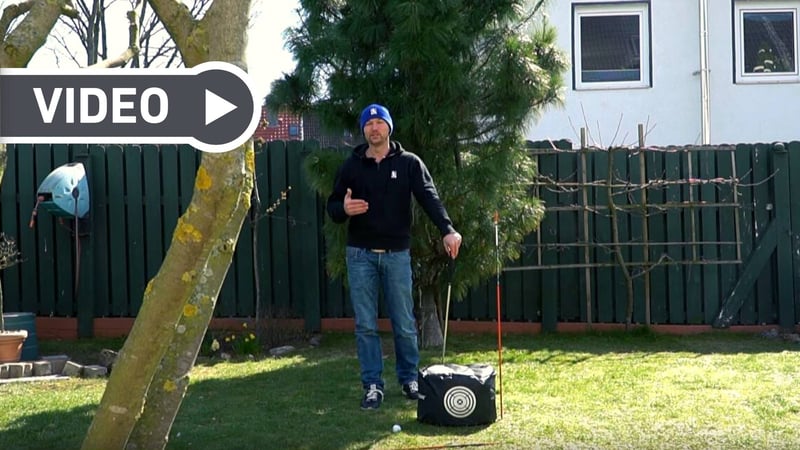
(354, 206)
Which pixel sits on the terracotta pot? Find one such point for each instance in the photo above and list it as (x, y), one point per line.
(11, 345)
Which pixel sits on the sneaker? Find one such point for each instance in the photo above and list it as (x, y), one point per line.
(373, 396)
(411, 389)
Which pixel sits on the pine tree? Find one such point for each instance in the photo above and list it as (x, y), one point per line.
(462, 79)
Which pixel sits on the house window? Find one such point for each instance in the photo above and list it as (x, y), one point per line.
(294, 130)
(611, 45)
(766, 42)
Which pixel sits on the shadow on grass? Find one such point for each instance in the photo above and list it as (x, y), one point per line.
(312, 403)
(47, 430)
(310, 400)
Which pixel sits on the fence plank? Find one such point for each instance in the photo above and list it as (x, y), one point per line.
(26, 195)
(244, 300)
(99, 217)
(605, 311)
(12, 229)
(299, 231)
(620, 158)
(691, 223)
(281, 282)
(782, 219)
(727, 224)
(531, 298)
(117, 233)
(134, 215)
(85, 294)
(656, 231)
(264, 229)
(548, 232)
(794, 193)
(674, 283)
(588, 292)
(744, 165)
(67, 252)
(170, 193)
(226, 299)
(336, 303)
(188, 161)
(636, 223)
(570, 300)
(46, 235)
(153, 221)
(307, 232)
(762, 205)
(708, 217)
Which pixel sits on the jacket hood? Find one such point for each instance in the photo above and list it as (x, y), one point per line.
(360, 151)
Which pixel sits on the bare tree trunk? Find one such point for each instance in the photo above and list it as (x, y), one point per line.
(151, 373)
(184, 289)
(430, 335)
(169, 384)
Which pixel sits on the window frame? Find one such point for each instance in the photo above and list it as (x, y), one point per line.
(641, 9)
(741, 7)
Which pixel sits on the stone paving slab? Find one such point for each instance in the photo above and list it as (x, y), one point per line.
(56, 367)
(34, 379)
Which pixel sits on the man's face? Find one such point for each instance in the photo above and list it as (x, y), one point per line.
(376, 131)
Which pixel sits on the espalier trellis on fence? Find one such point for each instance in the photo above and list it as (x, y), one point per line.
(683, 220)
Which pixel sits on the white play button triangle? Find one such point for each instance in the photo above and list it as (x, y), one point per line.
(216, 107)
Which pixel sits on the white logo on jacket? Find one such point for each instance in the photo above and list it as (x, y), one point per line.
(394, 174)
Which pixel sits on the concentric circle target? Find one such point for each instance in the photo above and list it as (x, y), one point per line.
(459, 402)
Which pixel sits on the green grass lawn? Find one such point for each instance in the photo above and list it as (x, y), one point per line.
(610, 391)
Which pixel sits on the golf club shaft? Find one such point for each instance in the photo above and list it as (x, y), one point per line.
(451, 268)
(499, 318)
(446, 319)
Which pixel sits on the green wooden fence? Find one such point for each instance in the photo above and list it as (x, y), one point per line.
(706, 234)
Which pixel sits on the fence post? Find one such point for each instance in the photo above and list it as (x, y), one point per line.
(785, 287)
(307, 234)
(645, 226)
(587, 260)
(85, 301)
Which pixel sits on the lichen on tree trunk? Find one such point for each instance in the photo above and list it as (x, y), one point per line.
(185, 288)
(169, 384)
(151, 373)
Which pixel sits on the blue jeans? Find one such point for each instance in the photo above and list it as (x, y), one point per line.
(368, 273)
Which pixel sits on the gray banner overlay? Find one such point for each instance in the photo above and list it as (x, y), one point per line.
(21, 115)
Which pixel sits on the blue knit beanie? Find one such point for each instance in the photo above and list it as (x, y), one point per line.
(375, 110)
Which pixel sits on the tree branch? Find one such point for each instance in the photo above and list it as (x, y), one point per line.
(133, 46)
(12, 12)
(184, 29)
(21, 43)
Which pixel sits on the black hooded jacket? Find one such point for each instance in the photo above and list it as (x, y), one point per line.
(387, 186)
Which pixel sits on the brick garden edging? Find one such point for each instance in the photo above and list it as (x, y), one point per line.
(49, 367)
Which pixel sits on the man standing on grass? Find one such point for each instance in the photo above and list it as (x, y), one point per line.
(373, 189)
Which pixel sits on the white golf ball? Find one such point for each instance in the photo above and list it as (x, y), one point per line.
(396, 428)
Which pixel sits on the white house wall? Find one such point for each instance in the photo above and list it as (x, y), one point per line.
(671, 108)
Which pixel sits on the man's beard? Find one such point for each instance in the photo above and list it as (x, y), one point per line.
(377, 139)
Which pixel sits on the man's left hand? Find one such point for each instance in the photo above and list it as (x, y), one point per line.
(452, 242)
